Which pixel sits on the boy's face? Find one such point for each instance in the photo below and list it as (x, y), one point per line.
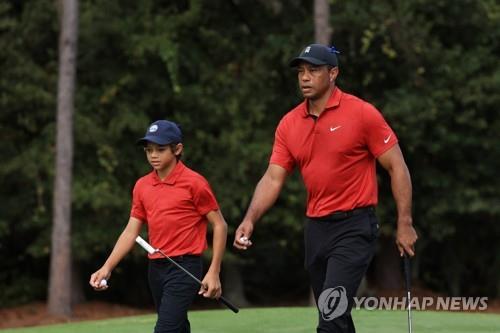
(162, 157)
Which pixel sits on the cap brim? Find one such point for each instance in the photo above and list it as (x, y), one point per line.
(153, 139)
(296, 61)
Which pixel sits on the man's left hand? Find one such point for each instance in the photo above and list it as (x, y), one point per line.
(405, 239)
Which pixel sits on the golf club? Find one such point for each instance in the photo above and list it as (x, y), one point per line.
(146, 246)
(407, 273)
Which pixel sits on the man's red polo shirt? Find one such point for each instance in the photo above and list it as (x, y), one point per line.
(174, 210)
(335, 152)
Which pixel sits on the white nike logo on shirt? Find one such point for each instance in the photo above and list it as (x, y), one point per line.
(388, 138)
(335, 128)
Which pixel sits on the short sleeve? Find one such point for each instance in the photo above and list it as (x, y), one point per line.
(379, 136)
(203, 197)
(137, 209)
(281, 154)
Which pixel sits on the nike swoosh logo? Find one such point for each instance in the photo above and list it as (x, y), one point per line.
(335, 128)
(388, 138)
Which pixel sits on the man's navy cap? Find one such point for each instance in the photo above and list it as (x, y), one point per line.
(162, 132)
(317, 54)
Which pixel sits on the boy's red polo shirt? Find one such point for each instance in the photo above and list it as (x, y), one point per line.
(335, 152)
(174, 210)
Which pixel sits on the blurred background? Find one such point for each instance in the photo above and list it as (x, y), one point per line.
(220, 69)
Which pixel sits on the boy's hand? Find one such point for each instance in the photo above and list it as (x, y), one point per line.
(211, 287)
(97, 278)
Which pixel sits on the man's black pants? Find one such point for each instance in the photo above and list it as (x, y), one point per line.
(337, 254)
(173, 292)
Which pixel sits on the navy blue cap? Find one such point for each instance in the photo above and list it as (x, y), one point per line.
(317, 54)
(162, 132)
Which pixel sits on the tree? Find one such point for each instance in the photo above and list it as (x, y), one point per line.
(219, 68)
(322, 28)
(60, 263)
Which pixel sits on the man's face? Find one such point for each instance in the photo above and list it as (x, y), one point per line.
(314, 80)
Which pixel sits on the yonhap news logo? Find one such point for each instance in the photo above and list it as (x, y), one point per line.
(422, 303)
(333, 303)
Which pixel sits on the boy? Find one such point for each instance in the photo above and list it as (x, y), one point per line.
(175, 202)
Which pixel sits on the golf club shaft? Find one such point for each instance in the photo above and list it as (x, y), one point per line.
(407, 272)
(145, 245)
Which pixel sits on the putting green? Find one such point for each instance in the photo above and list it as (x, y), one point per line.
(287, 320)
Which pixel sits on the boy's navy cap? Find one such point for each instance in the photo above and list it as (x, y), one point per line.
(162, 132)
(317, 54)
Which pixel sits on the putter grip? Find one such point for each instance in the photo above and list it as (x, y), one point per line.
(145, 245)
(407, 270)
(229, 304)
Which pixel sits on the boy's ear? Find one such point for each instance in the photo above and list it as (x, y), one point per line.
(178, 149)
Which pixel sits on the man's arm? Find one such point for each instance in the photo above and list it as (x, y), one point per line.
(393, 161)
(265, 195)
(123, 245)
(211, 286)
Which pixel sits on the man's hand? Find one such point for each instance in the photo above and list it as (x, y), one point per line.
(406, 237)
(211, 286)
(96, 278)
(265, 195)
(242, 236)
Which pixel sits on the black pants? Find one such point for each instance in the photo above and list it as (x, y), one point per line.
(173, 292)
(337, 254)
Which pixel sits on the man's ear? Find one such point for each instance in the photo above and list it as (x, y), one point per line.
(333, 73)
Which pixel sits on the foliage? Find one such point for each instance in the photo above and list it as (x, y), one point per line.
(434, 73)
(219, 68)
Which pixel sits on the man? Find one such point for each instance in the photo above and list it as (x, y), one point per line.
(334, 139)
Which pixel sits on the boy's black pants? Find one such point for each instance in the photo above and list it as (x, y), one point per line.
(338, 251)
(173, 292)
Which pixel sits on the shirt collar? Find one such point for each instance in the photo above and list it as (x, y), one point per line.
(171, 178)
(332, 102)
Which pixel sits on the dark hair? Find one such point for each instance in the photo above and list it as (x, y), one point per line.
(172, 149)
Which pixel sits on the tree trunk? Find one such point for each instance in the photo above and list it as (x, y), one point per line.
(77, 294)
(388, 273)
(233, 284)
(322, 29)
(59, 300)
(312, 299)
(322, 35)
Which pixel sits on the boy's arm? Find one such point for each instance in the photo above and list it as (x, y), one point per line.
(211, 286)
(123, 245)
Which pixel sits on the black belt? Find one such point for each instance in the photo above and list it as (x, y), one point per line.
(175, 258)
(341, 215)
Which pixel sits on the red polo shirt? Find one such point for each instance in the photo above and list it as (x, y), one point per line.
(335, 152)
(174, 210)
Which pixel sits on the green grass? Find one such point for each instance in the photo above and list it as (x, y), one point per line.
(287, 320)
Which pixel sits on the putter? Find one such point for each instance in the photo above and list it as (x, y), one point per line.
(407, 273)
(146, 246)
